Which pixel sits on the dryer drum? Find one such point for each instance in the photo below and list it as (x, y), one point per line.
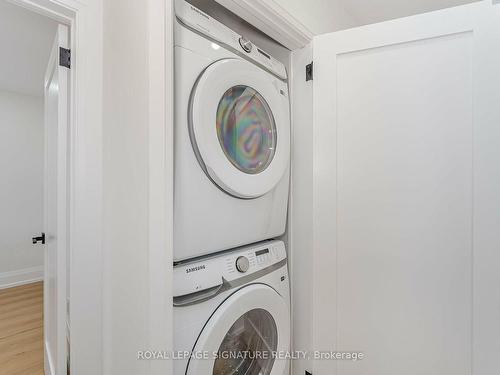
(246, 129)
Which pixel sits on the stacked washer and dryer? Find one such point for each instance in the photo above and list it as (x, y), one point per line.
(231, 185)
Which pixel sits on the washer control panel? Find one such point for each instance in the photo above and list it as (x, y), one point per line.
(203, 23)
(207, 273)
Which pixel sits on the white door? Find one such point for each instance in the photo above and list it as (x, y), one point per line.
(407, 194)
(56, 215)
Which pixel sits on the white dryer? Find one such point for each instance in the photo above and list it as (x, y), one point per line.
(232, 313)
(232, 139)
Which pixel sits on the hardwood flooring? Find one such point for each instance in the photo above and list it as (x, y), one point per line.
(21, 330)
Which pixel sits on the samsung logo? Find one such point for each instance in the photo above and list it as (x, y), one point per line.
(195, 269)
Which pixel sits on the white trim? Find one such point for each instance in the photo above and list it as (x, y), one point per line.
(21, 277)
(161, 142)
(300, 222)
(272, 19)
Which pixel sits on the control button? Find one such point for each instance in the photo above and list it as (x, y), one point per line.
(246, 45)
(242, 264)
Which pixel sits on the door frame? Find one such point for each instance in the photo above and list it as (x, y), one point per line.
(272, 19)
(276, 22)
(84, 20)
(55, 358)
(161, 17)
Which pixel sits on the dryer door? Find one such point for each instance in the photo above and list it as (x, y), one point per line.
(244, 335)
(239, 127)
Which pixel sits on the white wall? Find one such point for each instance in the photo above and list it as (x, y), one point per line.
(319, 16)
(126, 271)
(21, 187)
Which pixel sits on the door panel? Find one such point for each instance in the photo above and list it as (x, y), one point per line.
(55, 209)
(403, 137)
(404, 185)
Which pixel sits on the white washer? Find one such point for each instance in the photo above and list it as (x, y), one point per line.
(233, 304)
(232, 139)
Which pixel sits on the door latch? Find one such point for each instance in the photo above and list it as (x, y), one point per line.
(39, 239)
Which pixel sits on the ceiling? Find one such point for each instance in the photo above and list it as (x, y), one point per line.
(371, 11)
(25, 43)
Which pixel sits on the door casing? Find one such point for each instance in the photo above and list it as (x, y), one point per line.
(83, 18)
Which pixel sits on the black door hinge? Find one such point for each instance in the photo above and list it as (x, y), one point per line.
(309, 72)
(65, 57)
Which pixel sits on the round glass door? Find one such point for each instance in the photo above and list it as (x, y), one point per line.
(246, 129)
(239, 127)
(248, 347)
(245, 332)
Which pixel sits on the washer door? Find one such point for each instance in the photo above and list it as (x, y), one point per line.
(246, 332)
(239, 127)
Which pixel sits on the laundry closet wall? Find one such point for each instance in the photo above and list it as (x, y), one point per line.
(132, 53)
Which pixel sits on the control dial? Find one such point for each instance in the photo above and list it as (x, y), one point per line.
(242, 264)
(246, 45)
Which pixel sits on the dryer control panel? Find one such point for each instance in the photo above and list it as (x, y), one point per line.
(212, 272)
(204, 24)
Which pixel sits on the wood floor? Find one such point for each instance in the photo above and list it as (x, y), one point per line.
(21, 330)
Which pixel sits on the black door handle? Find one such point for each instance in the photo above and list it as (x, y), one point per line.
(39, 239)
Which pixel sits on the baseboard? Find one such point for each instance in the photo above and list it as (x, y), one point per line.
(21, 277)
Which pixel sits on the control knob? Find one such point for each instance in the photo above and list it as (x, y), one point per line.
(246, 45)
(242, 264)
